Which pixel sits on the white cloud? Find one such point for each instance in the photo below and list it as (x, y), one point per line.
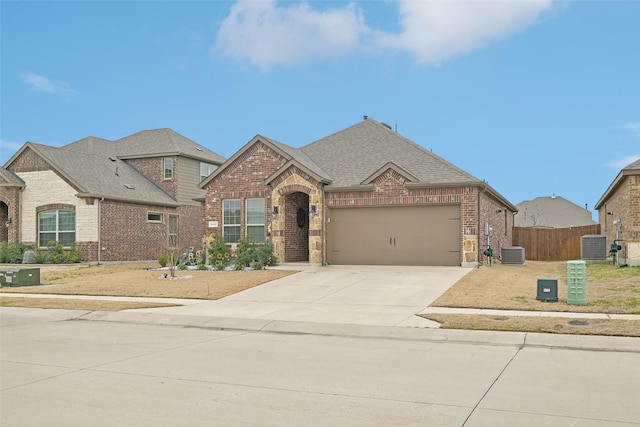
(434, 31)
(43, 84)
(268, 34)
(633, 127)
(623, 163)
(7, 149)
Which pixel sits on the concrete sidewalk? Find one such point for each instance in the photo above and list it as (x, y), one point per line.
(358, 295)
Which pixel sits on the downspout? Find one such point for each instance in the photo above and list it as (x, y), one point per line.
(100, 228)
(19, 228)
(479, 225)
(323, 261)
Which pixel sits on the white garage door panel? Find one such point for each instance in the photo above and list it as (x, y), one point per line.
(408, 235)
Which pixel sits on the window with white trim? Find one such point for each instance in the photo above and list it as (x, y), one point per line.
(154, 217)
(58, 226)
(206, 169)
(255, 220)
(231, 220)
(168, 167)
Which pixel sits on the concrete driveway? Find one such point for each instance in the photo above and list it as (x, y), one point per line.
(362, 295)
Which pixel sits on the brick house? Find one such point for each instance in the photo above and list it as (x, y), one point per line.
(363, 195)
(131, 199)
(619, 212)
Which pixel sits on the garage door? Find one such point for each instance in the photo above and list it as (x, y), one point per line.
(398, 235)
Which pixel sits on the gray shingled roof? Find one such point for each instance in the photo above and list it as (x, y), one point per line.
(8, 178)
(631, 169)
(94, 174)
(352, 155)
(300, 156)
(163, 142)
(552, 212)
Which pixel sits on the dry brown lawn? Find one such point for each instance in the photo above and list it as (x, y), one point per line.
(610, 290)
(132, 280)
(507, 287)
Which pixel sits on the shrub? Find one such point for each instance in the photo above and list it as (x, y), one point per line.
(163, 260)
(254, 255)
(11, 253)
(219, 252)
(182, 266)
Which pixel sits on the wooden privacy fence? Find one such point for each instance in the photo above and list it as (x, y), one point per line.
(552, 244)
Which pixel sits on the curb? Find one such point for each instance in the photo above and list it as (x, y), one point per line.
(493, 338)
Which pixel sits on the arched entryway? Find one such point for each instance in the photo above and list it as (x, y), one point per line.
(296, 227)
(5, 223)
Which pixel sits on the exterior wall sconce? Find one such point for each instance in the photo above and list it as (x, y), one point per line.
(8, 222)
(275, 211)
(313, 210)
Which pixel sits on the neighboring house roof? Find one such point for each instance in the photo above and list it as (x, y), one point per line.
(551, 212)
(10, 179)
(97, 175)
(149, 143)
(163, 142)
(631, 169)
(96, 168)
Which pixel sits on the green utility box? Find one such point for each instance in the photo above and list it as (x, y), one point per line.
(577, 282)
(547, 290)
(20, 277)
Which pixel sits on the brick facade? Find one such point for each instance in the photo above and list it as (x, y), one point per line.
(624, 204)
(292, 190)
(153, 168)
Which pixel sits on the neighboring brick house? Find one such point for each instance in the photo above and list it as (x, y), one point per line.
(364, 195)
(552, 212)
(131, 199)
(619, 212)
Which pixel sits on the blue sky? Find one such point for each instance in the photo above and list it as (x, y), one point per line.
(536, 97)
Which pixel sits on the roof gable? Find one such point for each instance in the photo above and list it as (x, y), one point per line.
(390, 165)
(631, 169)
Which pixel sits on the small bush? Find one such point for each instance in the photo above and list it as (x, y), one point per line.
(254, 255)
(182, 266)
(163, 260)
(11, 253)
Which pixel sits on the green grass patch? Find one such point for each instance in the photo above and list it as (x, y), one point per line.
(607, 271)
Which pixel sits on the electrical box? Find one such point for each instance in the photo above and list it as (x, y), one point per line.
(547, 290)
(20, 277)
(512, 255)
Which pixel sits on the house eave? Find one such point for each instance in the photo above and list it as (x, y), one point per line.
(126, 200)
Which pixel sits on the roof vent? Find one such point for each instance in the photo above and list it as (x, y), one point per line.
(198, 148)
(386, 125)
(129, 186)
(365, 117)
(593, 247)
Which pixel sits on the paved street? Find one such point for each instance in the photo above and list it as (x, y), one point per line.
(153, 370)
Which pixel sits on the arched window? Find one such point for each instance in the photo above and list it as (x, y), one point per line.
(57, 225)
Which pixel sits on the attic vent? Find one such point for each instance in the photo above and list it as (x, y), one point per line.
(198, 148)
(512, 255)
(386, 125)
(113, 159)
(593, 246)
(129, 186)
